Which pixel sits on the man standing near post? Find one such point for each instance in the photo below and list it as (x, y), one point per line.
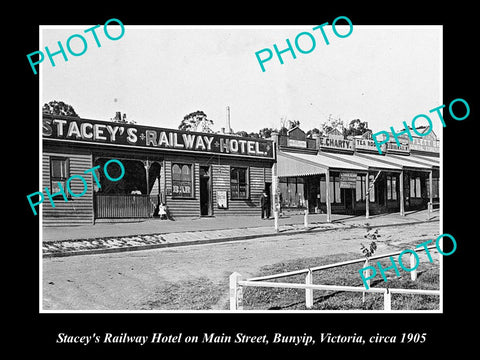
(265, 205)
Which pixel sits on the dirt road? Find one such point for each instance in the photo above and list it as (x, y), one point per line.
(136, 280)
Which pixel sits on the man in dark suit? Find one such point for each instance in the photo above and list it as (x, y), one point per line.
(265, 205)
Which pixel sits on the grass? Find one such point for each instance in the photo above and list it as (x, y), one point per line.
(194, 294)
(203, 294)
(294, 299)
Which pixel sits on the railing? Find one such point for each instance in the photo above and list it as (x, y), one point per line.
(237, 283)
(124, 206)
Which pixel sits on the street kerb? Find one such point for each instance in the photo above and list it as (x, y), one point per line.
(102, 246)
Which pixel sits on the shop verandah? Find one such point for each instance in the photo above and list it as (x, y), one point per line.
(357, 184)
(136, 195)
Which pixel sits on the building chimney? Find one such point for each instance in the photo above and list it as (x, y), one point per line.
(228, 128)
(118, 116)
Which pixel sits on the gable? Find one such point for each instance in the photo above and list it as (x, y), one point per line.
(296, 134)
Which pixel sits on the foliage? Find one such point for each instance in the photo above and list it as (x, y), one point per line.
(59, 108)
(241, 133)
(196, 121)
(313, 131)
(356, 127)
(265, 133)
(332, 124)
(368, 252)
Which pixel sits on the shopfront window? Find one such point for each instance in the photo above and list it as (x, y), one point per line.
(59, 173)
(182, 181)
(391, 187)
(415, 189)
(292, 190)
(435, 188)
(335, 193)
(239, 186)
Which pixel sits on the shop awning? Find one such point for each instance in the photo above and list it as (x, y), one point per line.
(434, 161)
(402, 162)
(369, 163)
(298, 164)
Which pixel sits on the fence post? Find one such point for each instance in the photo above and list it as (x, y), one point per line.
(275, 219)
(368, 280)
(413, 273)
(305, 219)
(387, 300)
(429, 211)
(309, 292)
(236, 292)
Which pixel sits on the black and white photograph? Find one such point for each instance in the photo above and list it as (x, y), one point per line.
(193, 177)
(247, 174)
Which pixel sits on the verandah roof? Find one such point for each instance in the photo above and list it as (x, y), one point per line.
(299, 164)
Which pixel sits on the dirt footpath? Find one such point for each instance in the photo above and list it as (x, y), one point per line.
(136, 280)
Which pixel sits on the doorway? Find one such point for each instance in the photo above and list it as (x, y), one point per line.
(348, 198)
(205, 191)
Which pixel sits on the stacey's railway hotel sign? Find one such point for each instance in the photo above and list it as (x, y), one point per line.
(141, 136)
(187, 171)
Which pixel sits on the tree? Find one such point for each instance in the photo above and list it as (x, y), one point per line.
(309, 133)
(356, 127)
(265, 133)
(59, 108)
(196, 121)
(242, 133)
(332, 124)
(293, 123)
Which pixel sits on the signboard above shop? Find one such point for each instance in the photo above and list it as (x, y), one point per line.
(297, 143)
(425, 145)
(329, 143)
(365, 145)
(129, 135)
(393, 147)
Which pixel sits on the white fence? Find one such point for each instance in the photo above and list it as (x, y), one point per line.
(237, 283)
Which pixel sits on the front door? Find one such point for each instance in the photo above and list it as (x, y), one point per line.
(348, 196)
(205, 191)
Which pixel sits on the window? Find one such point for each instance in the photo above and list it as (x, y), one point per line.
(292, 192)
(435, 186)
(59, 173)
(415, 190)
(335, 194)
(182, 180)
(239, 183)
(391, 187)
(360, 188)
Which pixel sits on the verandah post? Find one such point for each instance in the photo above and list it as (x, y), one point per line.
(275, 219)
(367, 197)
(402, 196)
(327, 197)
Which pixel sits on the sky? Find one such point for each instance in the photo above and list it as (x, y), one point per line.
(157, 74)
